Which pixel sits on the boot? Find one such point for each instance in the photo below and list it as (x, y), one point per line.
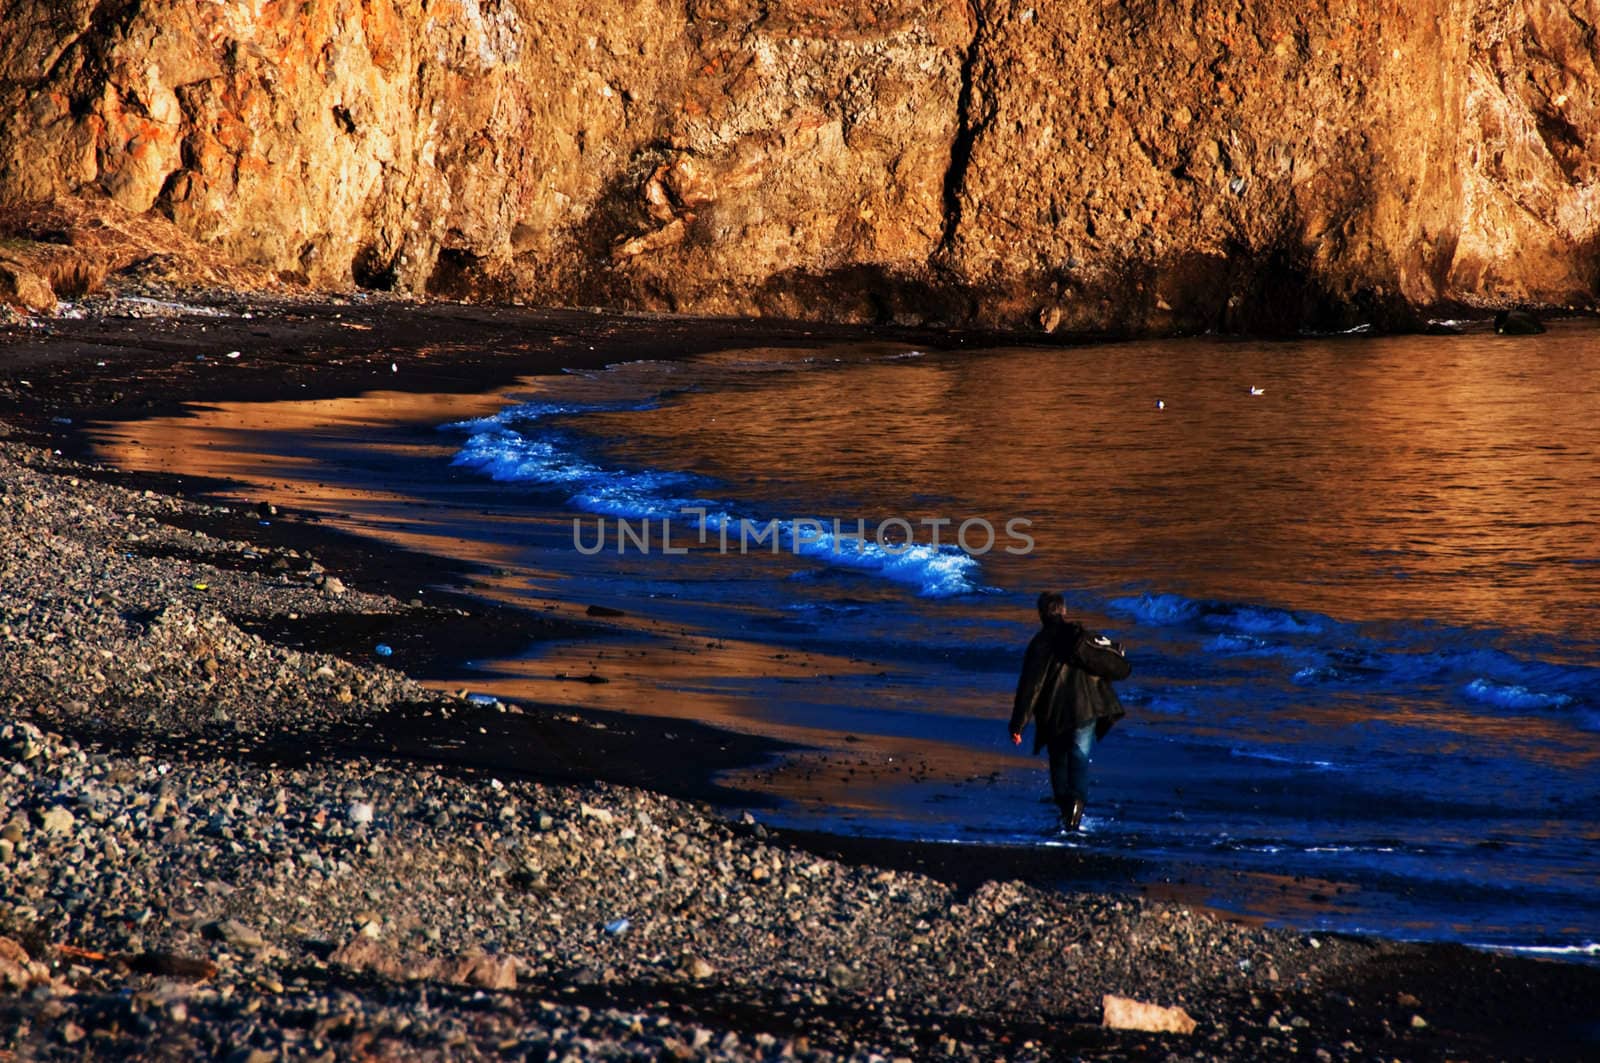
(1075, 816)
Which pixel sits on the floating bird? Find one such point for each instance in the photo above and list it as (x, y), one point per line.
(1160, 405)
(1258, 391)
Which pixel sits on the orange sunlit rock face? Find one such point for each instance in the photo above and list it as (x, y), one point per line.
(1062, 166)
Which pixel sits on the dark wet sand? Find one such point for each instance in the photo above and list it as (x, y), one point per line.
(1479, 1005)
(312, 350)
(305, 350)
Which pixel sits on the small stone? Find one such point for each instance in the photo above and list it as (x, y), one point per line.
(700, 970)
(252, 1055)
(1418, 1022)
(1517, 323)
(72, 1033)
(233, 932)
(13, 831)
(359, 813)
(17, 970)
(842, 977)
(1406, 1000)
(485, 972)
(21, 285)
(58, 820)
(333, 585)
(601, 814)
(1121, 1013)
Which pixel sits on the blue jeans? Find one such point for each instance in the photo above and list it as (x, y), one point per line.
(1069, 766)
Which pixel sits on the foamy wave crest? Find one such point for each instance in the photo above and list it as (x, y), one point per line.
(1317, 651)
(1171, 610)
(1321, 675)
(1591, 949)
(506, 456)
(529, 412)
(1280, 758)
(549, 461)
(1158, 608)
(1235, 644)
(1514, 697)
(937, 572)
(1262, 845)
(941, 572)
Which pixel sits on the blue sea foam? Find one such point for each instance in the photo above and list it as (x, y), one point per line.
(550, 460)
(1173, 610)
(1511, 696)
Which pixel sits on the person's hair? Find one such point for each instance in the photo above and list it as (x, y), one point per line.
(1051, 605)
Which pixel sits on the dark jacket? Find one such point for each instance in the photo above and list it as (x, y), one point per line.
(1066, 683)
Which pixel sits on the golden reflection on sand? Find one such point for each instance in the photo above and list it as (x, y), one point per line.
(1301, 900)
(226, 441)
(686, 676)
(669, 670)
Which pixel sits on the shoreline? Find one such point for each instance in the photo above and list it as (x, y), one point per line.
(96, 590)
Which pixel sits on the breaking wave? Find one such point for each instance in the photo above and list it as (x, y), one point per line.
(1319, 651)
(1232, 618)
(519, 446)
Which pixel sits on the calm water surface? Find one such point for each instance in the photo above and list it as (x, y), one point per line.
(1362, 604)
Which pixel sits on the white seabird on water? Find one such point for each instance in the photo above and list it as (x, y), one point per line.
(1257, 391)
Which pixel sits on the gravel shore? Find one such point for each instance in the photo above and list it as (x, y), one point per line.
(173, 883)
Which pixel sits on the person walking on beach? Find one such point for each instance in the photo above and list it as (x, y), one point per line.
(1065, 688)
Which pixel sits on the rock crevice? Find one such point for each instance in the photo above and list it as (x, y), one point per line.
(968, 125)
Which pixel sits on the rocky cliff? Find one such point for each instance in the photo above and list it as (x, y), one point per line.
(1085, 164)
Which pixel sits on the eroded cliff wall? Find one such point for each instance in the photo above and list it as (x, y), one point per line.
(1132, 165)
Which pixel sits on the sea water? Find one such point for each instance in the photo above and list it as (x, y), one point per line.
(1357, 578)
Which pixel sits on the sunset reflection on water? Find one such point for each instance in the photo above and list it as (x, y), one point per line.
(1362, 604)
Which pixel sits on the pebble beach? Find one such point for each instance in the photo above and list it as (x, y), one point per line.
(175, 883)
